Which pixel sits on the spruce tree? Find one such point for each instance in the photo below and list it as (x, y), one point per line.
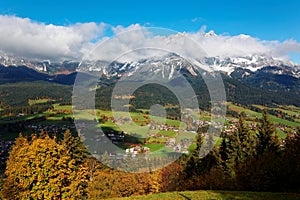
(267, 136)
(290, 174)
(204, 157)
(224, 154)
(241, 145)
(191, 166)
(212, 157)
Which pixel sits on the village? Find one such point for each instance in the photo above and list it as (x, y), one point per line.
(160, 134)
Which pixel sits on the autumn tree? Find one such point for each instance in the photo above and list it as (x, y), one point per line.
(10, 188)
(42, 168)
(74, 148)
(171, 177)
(78, 166)
(113, 183)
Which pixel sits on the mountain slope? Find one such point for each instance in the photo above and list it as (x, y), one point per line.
(248, 80)
(21, 73)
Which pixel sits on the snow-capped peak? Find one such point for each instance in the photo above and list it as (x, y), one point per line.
(165, 65)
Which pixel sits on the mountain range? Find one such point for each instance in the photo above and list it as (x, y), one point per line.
(248, 79)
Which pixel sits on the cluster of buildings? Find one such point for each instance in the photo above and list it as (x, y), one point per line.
(137, 149)
(115, 137)
(133, 151)
(163, 127)
(50, 128)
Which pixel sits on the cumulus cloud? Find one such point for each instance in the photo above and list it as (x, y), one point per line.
(219, 45)
(28, 38)
(137, 42)
(286, 47)
(24, 37)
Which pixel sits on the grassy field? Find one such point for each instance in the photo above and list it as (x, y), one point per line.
(111, 125)
(167, 133)
(273, 118)
(240, 109)
(185, 134)
(140, 120)
(37, 101)
(290, 110)
(217, 195)
(155, 147)
(281, 134)
(4, 119)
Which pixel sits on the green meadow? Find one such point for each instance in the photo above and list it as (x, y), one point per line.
(216, 195)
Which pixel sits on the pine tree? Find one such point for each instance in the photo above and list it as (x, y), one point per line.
(204, 157)
(191, 166)
(263, 171)
(267, 137)
(241, 145)
(224, 154)
(247, 139)
(212, 157)
(290, 174)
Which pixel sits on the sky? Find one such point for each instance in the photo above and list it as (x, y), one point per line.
(271, 21)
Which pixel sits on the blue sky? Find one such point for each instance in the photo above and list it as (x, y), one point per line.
(267, 20)
(278, 20)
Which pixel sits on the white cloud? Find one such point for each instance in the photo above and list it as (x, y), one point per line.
(219, 45)
(286, 47)
(24, 37)
(138, 39)
(138, 42)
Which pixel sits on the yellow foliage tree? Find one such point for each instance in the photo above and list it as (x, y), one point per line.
(43, 169)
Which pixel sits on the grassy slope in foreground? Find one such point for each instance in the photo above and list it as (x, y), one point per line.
(215, 195)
